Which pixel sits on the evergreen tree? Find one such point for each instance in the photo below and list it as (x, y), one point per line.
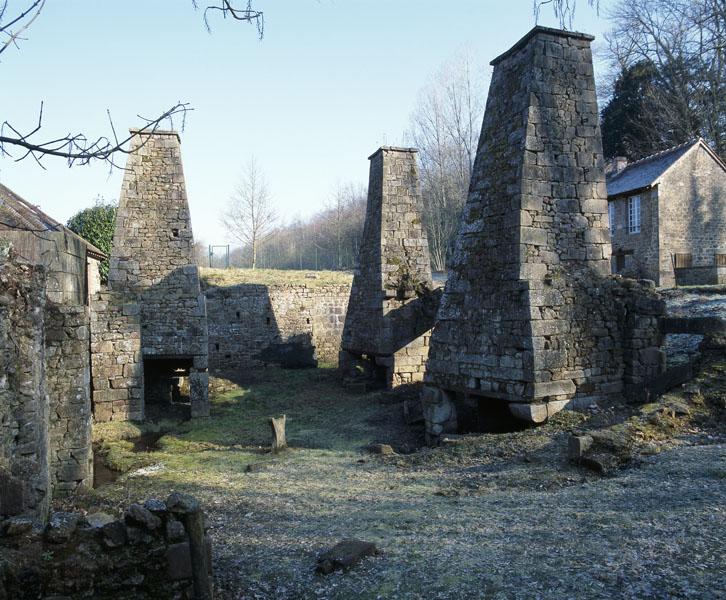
(96, 225)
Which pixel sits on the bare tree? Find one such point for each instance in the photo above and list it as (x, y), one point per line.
(445, 128)
(76, 148)
(250, 216)
(564, 10)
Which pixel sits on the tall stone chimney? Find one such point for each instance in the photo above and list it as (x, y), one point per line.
(523, 320)
(152, 259)
(383, 336)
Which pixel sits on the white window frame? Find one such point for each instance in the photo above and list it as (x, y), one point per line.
(611, 217)
(634, 214)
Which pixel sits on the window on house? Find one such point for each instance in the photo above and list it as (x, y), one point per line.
(634, 214)
(720, 260)
(682, 261)
(611, 216)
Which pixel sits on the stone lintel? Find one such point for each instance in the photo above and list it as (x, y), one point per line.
(393, 149)
(536, 413)
(536, 31)
(137, 131)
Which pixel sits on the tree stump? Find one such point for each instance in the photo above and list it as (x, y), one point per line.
(278, 433)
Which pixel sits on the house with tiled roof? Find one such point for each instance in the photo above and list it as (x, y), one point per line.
(668, 216)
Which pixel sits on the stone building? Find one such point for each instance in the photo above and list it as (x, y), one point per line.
(530, 320)
(388, 320)
(47, 274)
(152, 264)
(668, 216)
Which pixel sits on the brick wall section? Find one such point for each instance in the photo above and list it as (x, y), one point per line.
(527, 313)
(68, 372)
(394, 270)
(249, 325)
(116, 359)
(24, 471)
(692, 209)
(152, 256)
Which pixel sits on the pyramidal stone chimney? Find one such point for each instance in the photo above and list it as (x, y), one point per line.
(152, 262)
(530, 319)
(386, 328)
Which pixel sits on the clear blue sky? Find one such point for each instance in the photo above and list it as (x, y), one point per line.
(330, 82)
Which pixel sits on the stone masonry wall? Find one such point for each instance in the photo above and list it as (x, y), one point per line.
(117, 367)
(692, 210)
(528, 315)
(68, 372)
(24, 452)
(393, 270)
(250, 325)
(641, 249)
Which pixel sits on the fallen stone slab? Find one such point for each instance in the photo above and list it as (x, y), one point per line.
(344, 555)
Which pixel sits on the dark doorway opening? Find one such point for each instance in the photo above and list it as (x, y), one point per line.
(166, 387)
(481, 414)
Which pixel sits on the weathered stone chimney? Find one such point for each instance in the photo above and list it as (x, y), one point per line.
(152, 258)
(523, 323)
(394, 272)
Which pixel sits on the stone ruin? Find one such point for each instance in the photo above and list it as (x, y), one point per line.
(530, 320)
(150, 331)
(390, 311)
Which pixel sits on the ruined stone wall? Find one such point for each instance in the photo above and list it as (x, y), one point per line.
(528, 314)
(692, 212)
(393, 270)
(116, 358)
(145, 554)
(641, 251)
(251, 325)
(24, 452)
(68, 372)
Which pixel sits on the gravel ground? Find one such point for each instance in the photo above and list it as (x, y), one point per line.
(492, 516)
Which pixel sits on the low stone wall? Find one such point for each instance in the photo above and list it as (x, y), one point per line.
(252, 325)
(157, 550)
(117, 364)
(24, 473)
(68, 373)
(701, 276)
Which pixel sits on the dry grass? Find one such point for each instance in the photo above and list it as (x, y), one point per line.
(273, 277)
(493, 516)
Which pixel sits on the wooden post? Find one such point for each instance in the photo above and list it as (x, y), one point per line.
(278, 433)
(194, 522)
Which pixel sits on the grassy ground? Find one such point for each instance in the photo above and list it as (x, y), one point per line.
(492, 516)
(224, 277)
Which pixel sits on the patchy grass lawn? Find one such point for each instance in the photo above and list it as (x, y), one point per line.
(491, 516)
(224, 277)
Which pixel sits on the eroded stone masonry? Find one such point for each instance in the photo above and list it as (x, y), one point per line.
(530, 319)
(388, 322)
(152, 264)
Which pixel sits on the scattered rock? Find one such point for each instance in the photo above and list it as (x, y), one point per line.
(181, 503)
(18, 526)
(175, 531)
(344, 555)
(577, 445)
(382, 449)
(62, 526)
(138, 515)
(114, 534)
(155, 505)
(98, 519)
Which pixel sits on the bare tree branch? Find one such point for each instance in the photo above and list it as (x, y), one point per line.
(22, 21)
(564, 10)
(246, 14)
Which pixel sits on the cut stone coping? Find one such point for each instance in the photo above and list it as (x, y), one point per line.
(393, 149)
(139, 131)
(537, 30)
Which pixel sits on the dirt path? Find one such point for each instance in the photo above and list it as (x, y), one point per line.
(501, 516)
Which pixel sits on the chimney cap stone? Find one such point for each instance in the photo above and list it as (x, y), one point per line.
(536, 31)
(393, 149)
(138, 131)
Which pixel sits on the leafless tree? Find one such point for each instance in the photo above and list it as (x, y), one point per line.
(564, 10)
(250, 216)
(445, 128)
(76, 148)
(686, 42)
